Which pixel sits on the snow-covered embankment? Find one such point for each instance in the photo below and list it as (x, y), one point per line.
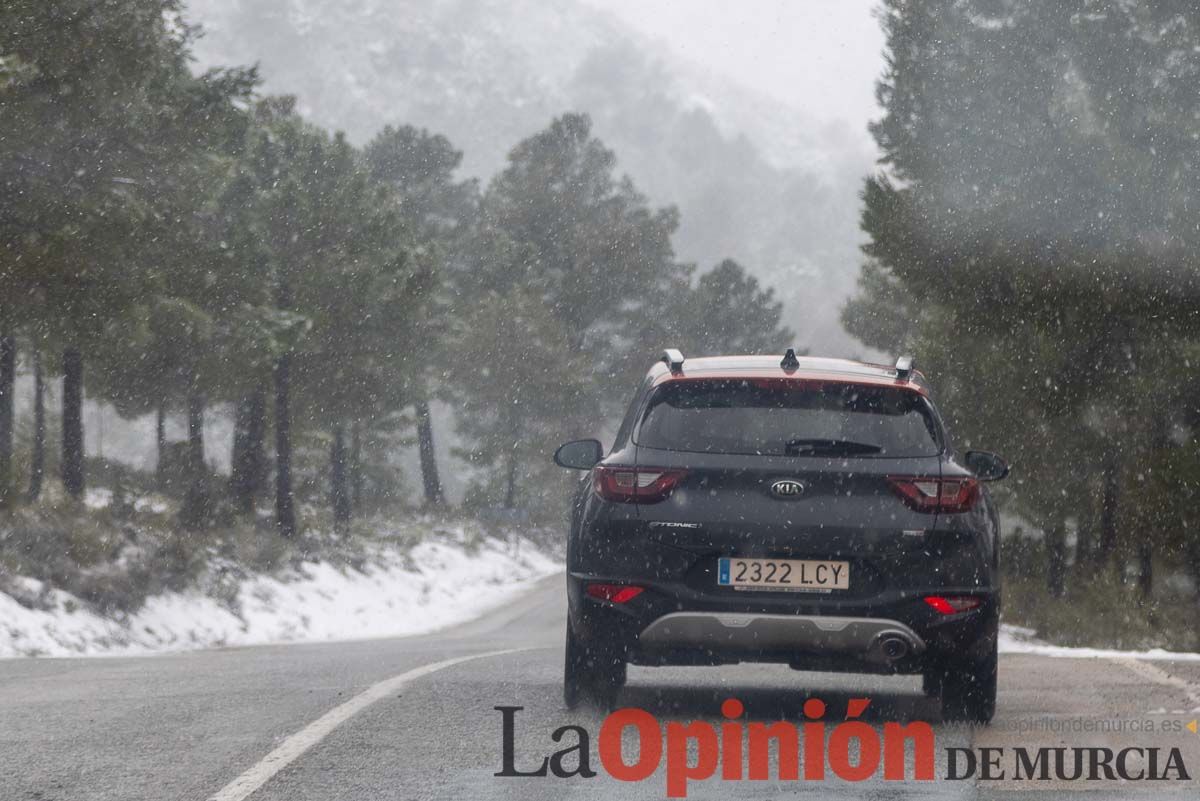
(400, 591)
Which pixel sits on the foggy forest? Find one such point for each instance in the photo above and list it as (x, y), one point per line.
(306, 314)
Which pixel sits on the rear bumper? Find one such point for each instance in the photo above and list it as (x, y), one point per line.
(875, 640)
(670, 626)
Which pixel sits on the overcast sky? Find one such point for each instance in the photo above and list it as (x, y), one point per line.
(823, 55)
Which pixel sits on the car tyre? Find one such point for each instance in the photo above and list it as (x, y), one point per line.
(968, 689)
(591, 673)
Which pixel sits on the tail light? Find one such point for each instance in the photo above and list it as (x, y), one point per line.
(634, 485)
(953, 604)
(936, 494)
(617, 593)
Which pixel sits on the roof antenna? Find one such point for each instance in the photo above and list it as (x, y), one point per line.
(673, 359)
(904, 367)
(790, 362)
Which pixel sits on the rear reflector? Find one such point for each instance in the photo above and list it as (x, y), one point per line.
(630, 485)
(930, 495)
(953, 604)
(617, 593)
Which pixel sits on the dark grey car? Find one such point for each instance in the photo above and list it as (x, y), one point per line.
(799, 510)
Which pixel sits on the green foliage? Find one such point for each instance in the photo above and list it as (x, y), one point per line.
(325, 235)
(103, 127)
(568, 287)
(559, 225)
(728, 312)
(189, 237)
(1029, 241)
(1099, 611)
(112, 564)
(438, 211)
(419, 166)
(520, 394)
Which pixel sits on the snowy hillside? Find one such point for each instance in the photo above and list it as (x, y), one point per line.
(445, 579)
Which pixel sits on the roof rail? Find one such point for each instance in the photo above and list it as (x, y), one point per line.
(904, 367)
(790, 362)
(673, 359)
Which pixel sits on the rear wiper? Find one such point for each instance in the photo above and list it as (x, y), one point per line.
(837, 447)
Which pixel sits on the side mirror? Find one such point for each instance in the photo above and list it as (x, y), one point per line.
(582, 454)
(985, 465)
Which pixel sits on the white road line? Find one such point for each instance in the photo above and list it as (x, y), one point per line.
(319, 729)
(1156, 674)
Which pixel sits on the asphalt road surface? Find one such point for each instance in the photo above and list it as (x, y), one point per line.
(401, 719)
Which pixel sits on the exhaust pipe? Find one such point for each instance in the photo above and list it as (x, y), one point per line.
(894, 647)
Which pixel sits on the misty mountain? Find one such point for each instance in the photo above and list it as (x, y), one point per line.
(753, 180)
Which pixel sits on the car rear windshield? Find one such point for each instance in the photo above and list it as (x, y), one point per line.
(788, 417)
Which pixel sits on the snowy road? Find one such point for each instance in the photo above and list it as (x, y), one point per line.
(381, 719)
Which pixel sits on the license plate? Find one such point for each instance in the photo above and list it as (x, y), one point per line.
(783, 574)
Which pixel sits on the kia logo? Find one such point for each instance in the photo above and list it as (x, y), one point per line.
(787, 488)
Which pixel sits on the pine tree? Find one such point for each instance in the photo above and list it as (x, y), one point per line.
(727, 312)
(101, 119)
(328, 239)
(8, 373)
(558, 224)
(1028, 237)
(419, 168)
(520, 394)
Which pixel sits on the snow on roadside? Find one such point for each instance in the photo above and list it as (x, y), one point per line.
(437, 583)
(402, 592)
(97, 497)
(1020, 640)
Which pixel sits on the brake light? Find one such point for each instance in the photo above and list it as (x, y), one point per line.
(630, 485)
(617, 593)
(936, 494)
(953, 604)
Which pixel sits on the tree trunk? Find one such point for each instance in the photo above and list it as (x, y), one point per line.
(196, 500)
(510, 483)
(285, 512)
(72, 423)
(1111, 496)
(160, 443)
(237, 456)
(1193, 558)
(256, 454)
(1145, 571)
(195, 420)
(339, 494)
(1056, 559)
(249, 459)
(356, 473)
(8, 381)
(37, 465)
(1084, 537)
(429, 469)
